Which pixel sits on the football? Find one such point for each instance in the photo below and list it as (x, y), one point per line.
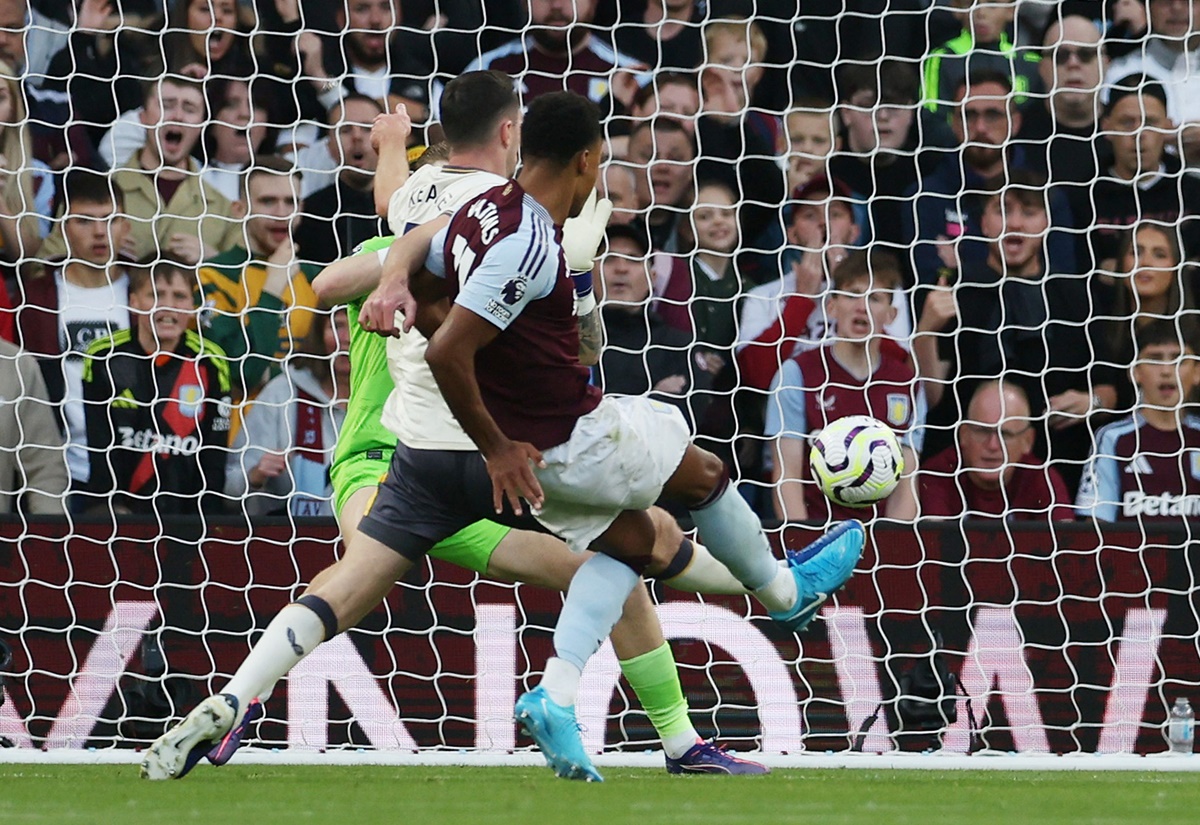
(856, 461)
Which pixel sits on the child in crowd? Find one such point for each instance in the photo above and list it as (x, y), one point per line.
(854, 374)
(157, 404)
(1146, 466)
(811, 132)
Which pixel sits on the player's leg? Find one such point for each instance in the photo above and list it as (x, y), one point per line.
(353, 586)
(734, 534)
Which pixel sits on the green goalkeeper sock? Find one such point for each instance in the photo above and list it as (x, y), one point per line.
(655, 679)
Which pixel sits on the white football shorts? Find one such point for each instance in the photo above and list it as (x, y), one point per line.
(618, 458)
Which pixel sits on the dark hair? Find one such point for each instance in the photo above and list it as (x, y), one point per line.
(661, 80)
(1134, 84)
(893, 81)
(880, 267)
(473, 104)
(150, 89)
(1026, 186)
(268, 164)
(558, 126)
(140, 276)
(629, 231)
(979, 77)
(1162, 332)
(665, 123)
(341, 104)
(88, 186)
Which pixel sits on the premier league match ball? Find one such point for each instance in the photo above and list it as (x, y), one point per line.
(856, 461)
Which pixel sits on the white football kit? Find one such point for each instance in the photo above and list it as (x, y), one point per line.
(418, 416)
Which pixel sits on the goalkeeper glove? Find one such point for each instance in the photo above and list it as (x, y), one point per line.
(581, 240)
(582, 234)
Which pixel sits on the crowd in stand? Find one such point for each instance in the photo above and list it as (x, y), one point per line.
(974, 220)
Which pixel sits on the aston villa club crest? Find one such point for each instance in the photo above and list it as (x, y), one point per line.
(191, 396)
(898, 408)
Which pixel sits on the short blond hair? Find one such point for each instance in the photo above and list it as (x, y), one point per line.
(738, 28)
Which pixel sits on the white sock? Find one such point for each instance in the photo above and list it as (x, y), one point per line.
(293, 634)
(679, 744)
(704, 574)
(780, 593)
(561, 681)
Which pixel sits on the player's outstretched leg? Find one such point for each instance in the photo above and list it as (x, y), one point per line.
(337, 599)
(734, 534)
(178, 750)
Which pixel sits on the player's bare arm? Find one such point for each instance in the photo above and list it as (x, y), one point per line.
(451, 358)
(389, 137)
(405, 257)
(591, 338)
(347, 278)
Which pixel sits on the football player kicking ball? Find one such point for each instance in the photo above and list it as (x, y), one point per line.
(506, 360)
(417, 412)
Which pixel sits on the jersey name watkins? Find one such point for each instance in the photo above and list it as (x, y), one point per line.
(488, 216)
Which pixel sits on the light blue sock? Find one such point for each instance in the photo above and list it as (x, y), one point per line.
(593, 605)
(735, 537)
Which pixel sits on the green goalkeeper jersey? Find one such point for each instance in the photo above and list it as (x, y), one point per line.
(370, 383)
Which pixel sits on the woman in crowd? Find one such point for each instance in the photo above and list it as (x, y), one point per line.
(1151, 285)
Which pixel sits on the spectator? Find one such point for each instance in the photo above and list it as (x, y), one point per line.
(665, 35)
(259, 298)
(878, 159)
(86, 297)
(25, 208)
(642, 354)
(33, 471)
(210, 35)
(157, 405)
(672, 94)
(702, 295)
(852, 375)
(949, 201)
(618, 183)
(342, 215)
(173, 213)
(321, 162)
(812, 135)
(992, 472)
(1146, 467)
(664, 155)
(985, 43)
(1061, 130)
(1011, 318)
(28, 39)
(1169, 56)
(103, 69)
(283, 452)
(237, 133)
(668, 93)
(561, 51)
(782, 318)
(1143, 182)
(369, 59)
(737, 144)
(1152, 286)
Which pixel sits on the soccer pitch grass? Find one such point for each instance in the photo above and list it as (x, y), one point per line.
(262, 795)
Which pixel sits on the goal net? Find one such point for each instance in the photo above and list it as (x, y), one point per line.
(971, 220)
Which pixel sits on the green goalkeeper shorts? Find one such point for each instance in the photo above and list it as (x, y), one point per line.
(471, 547)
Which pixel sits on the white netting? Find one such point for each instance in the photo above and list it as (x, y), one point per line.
(1023, 174)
